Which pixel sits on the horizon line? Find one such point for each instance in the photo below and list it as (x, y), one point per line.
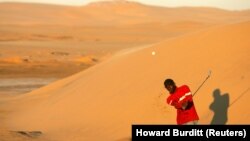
(82, 5)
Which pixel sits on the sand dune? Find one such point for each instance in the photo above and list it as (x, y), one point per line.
(102, 102)
(33, 40)
(35, 43)
(110, 14)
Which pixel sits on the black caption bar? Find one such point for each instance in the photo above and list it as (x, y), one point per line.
(192, 132)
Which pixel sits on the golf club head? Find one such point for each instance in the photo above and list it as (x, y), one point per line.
(209, 73)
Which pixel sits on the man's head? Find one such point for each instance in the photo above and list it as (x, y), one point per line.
(170, 85)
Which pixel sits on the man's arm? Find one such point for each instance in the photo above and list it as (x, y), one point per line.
(186, 100)
(173, 102)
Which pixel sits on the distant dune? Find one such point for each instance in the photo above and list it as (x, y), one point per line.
(125, 88)
(111, 13)
(52, 36)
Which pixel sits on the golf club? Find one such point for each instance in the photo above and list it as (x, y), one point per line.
(209, 74)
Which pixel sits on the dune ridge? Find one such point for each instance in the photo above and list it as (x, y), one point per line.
(110, 14)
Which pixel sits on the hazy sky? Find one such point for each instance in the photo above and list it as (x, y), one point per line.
(224, 4)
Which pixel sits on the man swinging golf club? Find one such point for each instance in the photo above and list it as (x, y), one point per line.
(181, 99)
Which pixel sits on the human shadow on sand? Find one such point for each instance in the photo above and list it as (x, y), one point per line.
(220, 107)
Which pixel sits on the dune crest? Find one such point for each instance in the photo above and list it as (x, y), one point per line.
(111, 13)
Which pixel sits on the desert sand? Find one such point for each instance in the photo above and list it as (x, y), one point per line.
(124, 84)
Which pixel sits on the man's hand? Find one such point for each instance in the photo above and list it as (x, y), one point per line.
(176, 105)
(184, 105)
(187, 105)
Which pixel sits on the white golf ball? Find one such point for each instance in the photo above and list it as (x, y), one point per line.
(153, 52)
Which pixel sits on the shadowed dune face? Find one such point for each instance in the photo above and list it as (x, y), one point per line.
(127, 88)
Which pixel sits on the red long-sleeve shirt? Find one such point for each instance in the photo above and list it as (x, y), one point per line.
(183, 94)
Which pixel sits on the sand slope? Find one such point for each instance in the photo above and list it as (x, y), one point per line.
(102, 102)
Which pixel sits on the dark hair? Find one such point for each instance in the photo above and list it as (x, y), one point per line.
(168, 82)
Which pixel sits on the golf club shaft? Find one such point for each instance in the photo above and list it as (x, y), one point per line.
(202, 83)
